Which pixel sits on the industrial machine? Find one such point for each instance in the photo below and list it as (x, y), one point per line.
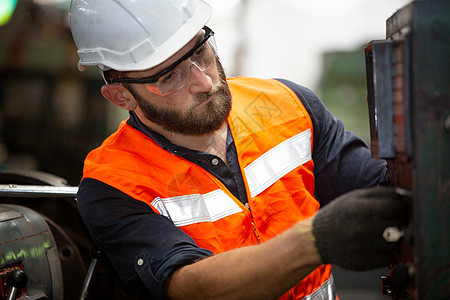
(408, 80)
(28, 243)
(45, 251)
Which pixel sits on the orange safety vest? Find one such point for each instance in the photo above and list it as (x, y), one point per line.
(273, 135)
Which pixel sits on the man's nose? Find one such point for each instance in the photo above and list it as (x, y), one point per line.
(200, 82)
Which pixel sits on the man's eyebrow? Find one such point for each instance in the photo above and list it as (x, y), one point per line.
(198, 38)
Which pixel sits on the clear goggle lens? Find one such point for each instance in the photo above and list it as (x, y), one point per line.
(179, 77)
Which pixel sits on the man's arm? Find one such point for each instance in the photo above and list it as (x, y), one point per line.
(149, 253)
(128, 230)
(264, 271)
(349, 232)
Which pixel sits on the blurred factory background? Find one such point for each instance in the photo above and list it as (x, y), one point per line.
(51, 114)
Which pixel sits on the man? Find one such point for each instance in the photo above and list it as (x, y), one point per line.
(199, 194)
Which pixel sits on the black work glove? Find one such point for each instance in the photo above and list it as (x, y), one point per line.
(349, 231)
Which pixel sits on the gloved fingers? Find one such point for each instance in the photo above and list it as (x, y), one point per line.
(383, 203)
(380, 245)
(384, 237)
(389, 208)
(381, 200)
(350, 231)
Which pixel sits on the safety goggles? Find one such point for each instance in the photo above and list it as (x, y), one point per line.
(177, 76)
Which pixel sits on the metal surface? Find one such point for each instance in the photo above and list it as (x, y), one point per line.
(56, 273)
(427, 24)
(88, 279)
(48, 196)
(13, 190)
(25, 243)
(420, 38)
(380, 98)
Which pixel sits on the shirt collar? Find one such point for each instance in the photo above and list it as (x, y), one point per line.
(163, 142)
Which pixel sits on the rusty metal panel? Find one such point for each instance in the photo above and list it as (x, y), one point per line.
(379, 98)
(430, 99)
(420, 74)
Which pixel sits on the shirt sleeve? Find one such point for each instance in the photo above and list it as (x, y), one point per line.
(143, 247)
(342, 161)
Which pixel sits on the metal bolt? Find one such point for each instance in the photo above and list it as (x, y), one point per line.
(140, 262)
(392, 234)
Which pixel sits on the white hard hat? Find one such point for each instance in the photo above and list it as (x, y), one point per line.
(133, 35)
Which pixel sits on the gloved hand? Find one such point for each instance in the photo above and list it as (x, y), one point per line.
(348, 232)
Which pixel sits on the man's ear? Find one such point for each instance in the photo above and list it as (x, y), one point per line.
(119, 95)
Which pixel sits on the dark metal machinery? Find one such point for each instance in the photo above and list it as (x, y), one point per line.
(44, 248)
(27, 243)
(409, 111)
(41, 235)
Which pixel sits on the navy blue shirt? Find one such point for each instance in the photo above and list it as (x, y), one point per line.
(145, 248)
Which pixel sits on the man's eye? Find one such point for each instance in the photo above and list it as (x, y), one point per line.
(168, 77)
(200, 50)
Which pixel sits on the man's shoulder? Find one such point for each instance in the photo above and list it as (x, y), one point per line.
(302, 92)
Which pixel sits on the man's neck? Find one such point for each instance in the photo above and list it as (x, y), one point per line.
(213, 143)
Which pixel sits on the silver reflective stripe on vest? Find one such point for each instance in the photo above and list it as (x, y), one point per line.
(196, 208)
(278, 161)
(325, 292)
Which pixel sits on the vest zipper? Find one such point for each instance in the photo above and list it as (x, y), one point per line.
(255, 231)
(290, 295)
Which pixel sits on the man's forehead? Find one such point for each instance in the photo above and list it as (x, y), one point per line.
(191, 44)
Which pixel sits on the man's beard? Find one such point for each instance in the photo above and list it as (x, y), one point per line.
(210, 118)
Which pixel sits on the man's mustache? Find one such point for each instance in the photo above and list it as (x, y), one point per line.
(203, 96)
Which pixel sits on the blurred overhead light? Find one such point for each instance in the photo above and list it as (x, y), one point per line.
(6, 10)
